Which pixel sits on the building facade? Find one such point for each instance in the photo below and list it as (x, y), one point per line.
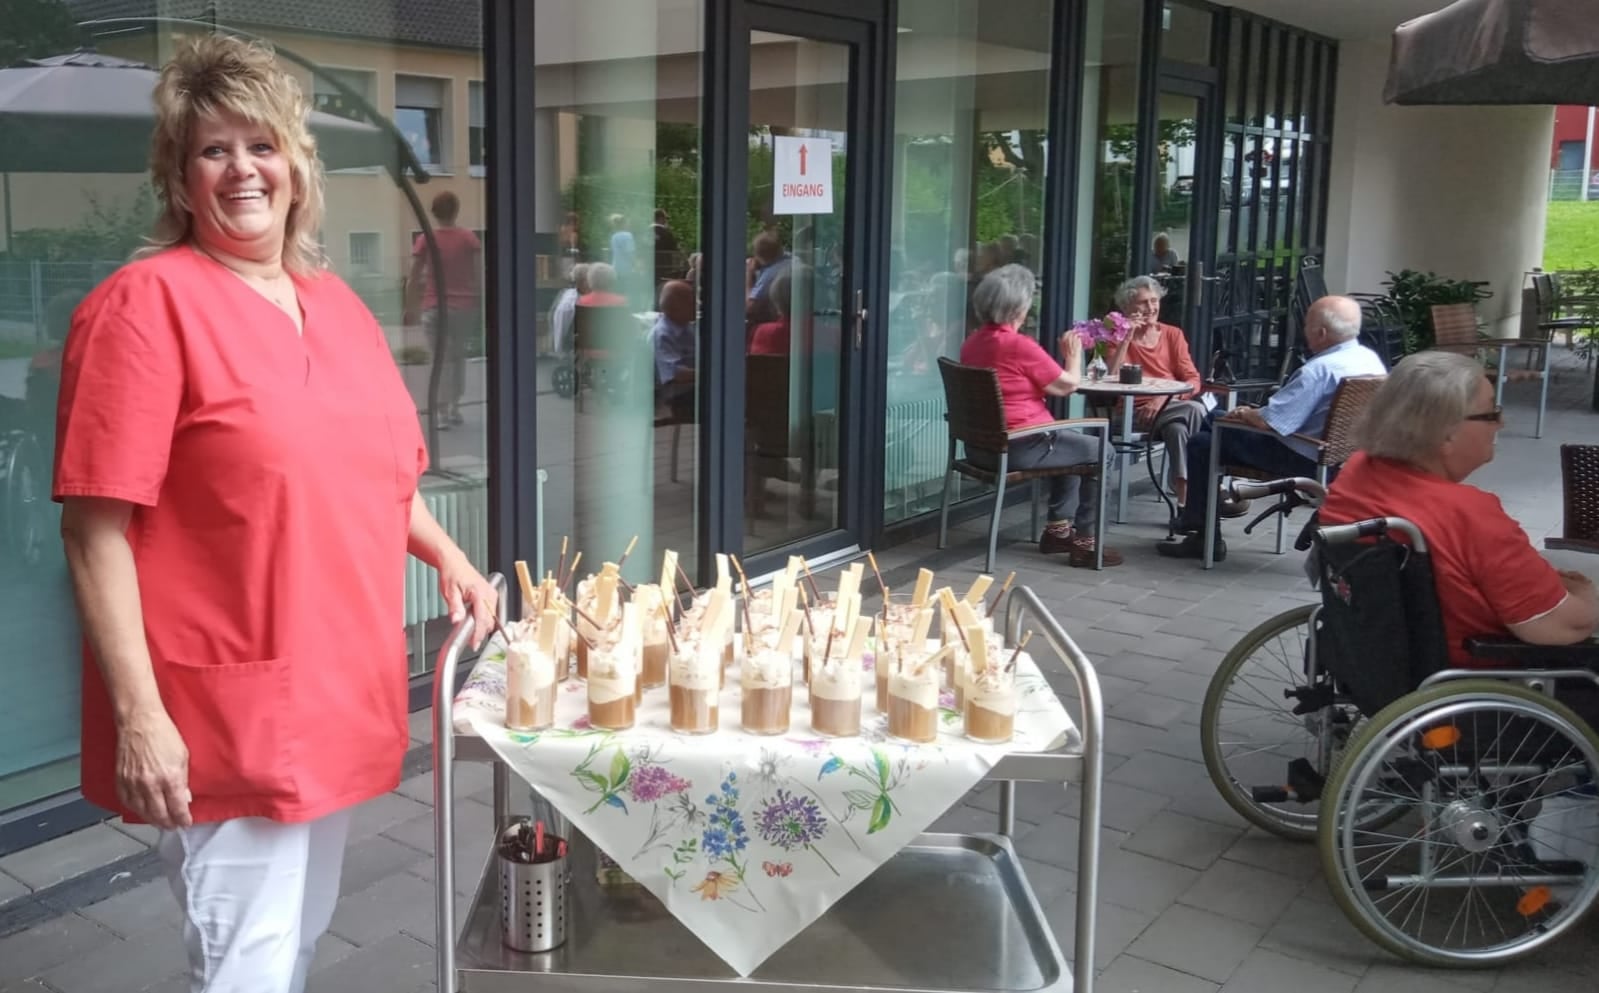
(791, 203)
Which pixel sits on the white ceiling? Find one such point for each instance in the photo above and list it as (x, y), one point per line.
(1343, 19)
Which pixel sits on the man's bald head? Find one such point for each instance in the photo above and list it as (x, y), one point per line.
(1332, 320)
(677, 301)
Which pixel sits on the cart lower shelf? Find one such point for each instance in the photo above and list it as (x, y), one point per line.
(949, 912)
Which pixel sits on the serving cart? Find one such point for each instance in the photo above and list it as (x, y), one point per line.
(948, 912)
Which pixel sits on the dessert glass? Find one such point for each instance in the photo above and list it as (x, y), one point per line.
(913, 704)
(990, 710)
(529, 687)
(836, 699)
(766, 692)
(612, 703)
(694, 692)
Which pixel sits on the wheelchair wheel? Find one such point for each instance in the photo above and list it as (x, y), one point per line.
(1472, 875)
(22, 499)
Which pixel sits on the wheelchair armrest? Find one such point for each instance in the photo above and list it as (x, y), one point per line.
(1524, 655)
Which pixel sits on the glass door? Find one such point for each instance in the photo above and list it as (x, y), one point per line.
(1181, 248)
(801, 272)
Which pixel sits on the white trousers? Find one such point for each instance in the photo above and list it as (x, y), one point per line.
(255, 895)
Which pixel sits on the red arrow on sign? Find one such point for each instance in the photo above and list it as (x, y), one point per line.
(802, 160)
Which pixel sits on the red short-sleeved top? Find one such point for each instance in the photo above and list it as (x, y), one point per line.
(1487, 573)
(272, 476)
(1168, 359)
(459, 250)
(1024, 370)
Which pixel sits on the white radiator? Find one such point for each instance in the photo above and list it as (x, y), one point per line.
(463, 512)
(916, 443)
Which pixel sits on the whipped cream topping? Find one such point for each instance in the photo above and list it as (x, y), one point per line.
(767, 670)
(922, 690)
(837, 680)
(527, 670)
(610, 677)
(994, 691)
(691, 671)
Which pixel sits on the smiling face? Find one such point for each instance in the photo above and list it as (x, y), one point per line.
(1144, 308)
(239, 186)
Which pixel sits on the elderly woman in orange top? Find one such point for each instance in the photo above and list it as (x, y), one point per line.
(1162, 351)
(238, 459)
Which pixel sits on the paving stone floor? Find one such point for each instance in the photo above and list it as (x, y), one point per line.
(1191, 899)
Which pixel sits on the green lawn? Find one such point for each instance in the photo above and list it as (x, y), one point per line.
(1572, 239)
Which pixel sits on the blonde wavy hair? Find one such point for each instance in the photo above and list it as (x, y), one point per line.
(214, 75)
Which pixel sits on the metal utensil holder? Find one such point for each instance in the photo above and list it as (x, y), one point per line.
(533, 902)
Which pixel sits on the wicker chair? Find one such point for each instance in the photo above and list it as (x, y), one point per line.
(977, 419)
(1579, 484)
(1454, 328)
(1333, 448)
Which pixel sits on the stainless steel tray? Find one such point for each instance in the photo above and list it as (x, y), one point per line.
(949, 912)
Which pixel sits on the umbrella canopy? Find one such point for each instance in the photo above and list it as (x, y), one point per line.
(86, 112)
(1498, 52)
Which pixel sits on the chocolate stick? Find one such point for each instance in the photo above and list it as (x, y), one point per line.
(805, 605)
(744, 595)
(560, 564)
(1001, 594)
(626, 552)
(951, 618)
(1018, 652)
(577, 631)
(686, 581)
(880, 584)
(810, 579)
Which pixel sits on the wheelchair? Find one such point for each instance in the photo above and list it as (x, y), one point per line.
(1455, 810)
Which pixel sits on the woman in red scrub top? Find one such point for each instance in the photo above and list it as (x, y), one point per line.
(238, 462)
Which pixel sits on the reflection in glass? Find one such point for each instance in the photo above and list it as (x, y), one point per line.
(794, 278)
(1110, 116)
(69, 222)
(1174, 212)
(617, 210)
(970, 109)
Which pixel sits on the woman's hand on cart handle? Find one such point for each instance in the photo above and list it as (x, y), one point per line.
(463, 587)
(153, 770)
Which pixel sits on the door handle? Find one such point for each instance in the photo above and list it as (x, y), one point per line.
(860, 317)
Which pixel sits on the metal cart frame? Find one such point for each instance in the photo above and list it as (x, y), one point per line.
(1080, 760)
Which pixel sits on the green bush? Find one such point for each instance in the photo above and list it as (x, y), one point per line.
(1416, 293)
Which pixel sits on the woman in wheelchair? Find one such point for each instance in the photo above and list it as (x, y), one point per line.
(1429, 427)
(1430, 723)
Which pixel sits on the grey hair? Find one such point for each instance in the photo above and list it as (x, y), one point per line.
(1411, 415)
(602, 276)
(1124, 292)
(1004, 295)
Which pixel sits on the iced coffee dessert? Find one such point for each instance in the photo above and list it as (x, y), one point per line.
(612, 677)
(990, 706)
(836, 699)
(656, 652)
(766, 691)
(530, 681)
(599, 607)
(694, 689)
(913, 701)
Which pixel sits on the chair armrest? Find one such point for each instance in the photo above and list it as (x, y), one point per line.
(1524, 655)
(1222, 422)
(1090, 423)
(1513, 342)
(1572, 545)
(1309, 439)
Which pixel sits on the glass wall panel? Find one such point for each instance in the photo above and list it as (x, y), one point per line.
(1185, 34)
(1109, 154)
(969, 157)
(69, 222)
(617, 210)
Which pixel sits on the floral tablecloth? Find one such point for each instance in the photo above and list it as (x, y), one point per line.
(747, 839)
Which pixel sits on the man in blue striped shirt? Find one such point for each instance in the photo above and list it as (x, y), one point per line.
(1332, 327)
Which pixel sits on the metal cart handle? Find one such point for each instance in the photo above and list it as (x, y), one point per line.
(444, 686)
(1023, 605)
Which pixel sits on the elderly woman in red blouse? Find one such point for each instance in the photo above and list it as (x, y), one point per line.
(1162, 351)
(1028, 375)
(237, 459)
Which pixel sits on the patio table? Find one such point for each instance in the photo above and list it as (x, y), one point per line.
(1126, 448)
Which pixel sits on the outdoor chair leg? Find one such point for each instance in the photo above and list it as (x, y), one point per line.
(943, 502)
(1211, 495)
(1282, 533)
(1543, 392)
(999, 504)
(1033, 503)
(677, 437)
(1499, 377)
(1099, 522)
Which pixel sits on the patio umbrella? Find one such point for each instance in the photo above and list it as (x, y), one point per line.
(91, 113)
(1498, 52)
